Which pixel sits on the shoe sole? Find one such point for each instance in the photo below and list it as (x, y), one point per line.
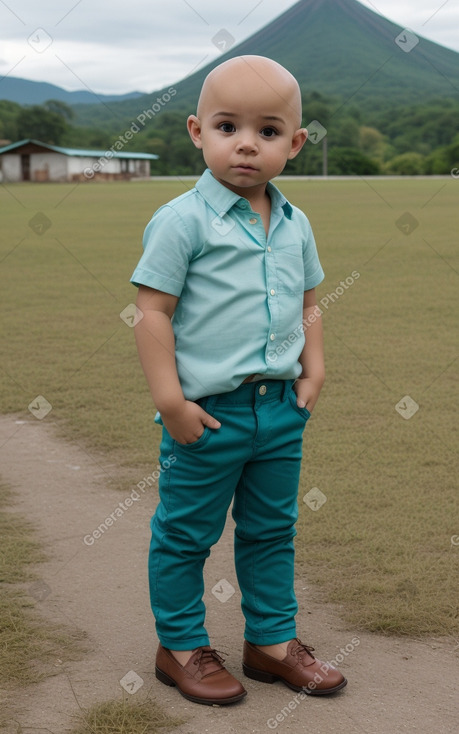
(264, 677)
(168, 681)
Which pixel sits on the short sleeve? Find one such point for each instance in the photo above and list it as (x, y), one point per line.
(313, 272)
(167, 251)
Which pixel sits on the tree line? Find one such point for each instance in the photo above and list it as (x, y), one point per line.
(377, 140)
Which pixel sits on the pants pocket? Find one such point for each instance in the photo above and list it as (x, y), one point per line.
(304, 412)
(201, 441)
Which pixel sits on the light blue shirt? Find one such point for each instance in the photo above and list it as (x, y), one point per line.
(240, 293)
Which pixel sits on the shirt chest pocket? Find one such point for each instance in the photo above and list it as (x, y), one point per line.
(289, 269)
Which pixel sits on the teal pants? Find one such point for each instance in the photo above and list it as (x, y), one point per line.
(254, 458)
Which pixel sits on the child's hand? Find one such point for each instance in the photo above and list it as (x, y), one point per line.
(186, 424)
(307, 392)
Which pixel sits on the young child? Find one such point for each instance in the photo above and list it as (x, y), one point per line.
(226, 283)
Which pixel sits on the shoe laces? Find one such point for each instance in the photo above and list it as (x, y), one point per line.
(207, 657)
(300, 649)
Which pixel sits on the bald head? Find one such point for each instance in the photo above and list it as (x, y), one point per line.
(254, 81)
(248, 122)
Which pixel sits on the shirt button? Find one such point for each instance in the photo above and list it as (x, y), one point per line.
(253, 221)
(273, 292)
(269, 248)
(272, 337)
(262, 390)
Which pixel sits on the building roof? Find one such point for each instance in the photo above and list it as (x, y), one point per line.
(80, 152)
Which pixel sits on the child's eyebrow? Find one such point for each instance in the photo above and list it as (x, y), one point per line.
(225, 114)
(272, 117)
(235, 114)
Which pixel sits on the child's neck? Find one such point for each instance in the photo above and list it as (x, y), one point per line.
(261, 203)
(259, 200)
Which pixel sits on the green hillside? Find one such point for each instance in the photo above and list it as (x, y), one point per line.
(25, 91)
(336, 47)
(386, 110)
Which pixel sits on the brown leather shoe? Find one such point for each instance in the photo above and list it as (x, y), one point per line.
(299, 670)
(202, 680)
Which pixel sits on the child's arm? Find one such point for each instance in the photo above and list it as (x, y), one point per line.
(183, 419)
(309, 384)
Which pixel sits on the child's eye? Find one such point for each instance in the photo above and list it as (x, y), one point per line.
(268, 132)
(227, 127)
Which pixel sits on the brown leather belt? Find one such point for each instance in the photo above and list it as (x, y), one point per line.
(252, 378)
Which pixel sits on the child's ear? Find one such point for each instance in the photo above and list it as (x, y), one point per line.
(194, 129)
(298, 140)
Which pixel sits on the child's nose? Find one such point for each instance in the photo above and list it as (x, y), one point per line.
(247, 142)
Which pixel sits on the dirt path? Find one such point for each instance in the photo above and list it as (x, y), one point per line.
(394, 686)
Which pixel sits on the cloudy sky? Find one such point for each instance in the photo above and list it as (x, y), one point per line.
(118, 46)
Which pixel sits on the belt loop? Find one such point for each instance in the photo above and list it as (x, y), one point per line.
(210, 403)
(286, 387)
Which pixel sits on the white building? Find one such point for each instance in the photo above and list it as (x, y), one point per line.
(30, 160)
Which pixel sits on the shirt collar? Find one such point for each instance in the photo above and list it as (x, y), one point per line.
(222, 199)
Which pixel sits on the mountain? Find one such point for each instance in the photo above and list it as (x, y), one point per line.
(336, 47)
(24, 91)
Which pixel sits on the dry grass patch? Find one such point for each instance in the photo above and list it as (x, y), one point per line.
(30, 648)
(124, 717)
(29, 645)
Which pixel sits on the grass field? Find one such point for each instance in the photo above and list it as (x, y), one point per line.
(383, 542)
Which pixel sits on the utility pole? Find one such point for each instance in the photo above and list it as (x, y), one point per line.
(325, 156)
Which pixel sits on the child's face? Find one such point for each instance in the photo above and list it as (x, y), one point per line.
(247, 130)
